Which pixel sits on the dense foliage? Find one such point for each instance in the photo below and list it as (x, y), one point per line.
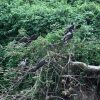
(47, 19)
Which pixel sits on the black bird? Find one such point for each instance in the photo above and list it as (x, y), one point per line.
(67, 37)
(24, 39)
(32, 37)
(70, 28)
(69, 33)
(41, 63)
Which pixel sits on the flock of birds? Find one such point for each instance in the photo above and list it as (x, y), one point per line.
(68, 34)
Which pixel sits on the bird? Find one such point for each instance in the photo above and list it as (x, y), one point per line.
(23, 63)
(32, 37)
(69, 33)
(71, 28)
(41, 63)
(67, 37)
(24, 39)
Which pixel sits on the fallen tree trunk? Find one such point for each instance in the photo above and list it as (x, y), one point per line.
(84, 66)
(90, 74)
(78, 67)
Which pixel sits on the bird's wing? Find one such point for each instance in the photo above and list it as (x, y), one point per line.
(68, 36)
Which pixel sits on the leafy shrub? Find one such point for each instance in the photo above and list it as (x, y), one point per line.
(48, 19)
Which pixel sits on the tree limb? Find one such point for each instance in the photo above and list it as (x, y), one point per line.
(84, 66)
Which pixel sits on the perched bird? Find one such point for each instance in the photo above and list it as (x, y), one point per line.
(27, 39)
(69, 33)
(23, 63)
(24, 39)
(32, 37)
(71, 28)
(67, 37)
(41, 63)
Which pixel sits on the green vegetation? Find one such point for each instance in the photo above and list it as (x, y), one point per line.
(48, 20)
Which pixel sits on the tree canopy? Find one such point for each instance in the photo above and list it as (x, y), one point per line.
(33, 30)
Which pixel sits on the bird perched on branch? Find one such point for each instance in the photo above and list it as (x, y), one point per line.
(41, 63)
(23, 63)
(71, 28)
(38, 65)
(24, 39)
(69, 33)
(32, 37)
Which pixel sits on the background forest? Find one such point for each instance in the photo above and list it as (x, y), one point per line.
(46, 21)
